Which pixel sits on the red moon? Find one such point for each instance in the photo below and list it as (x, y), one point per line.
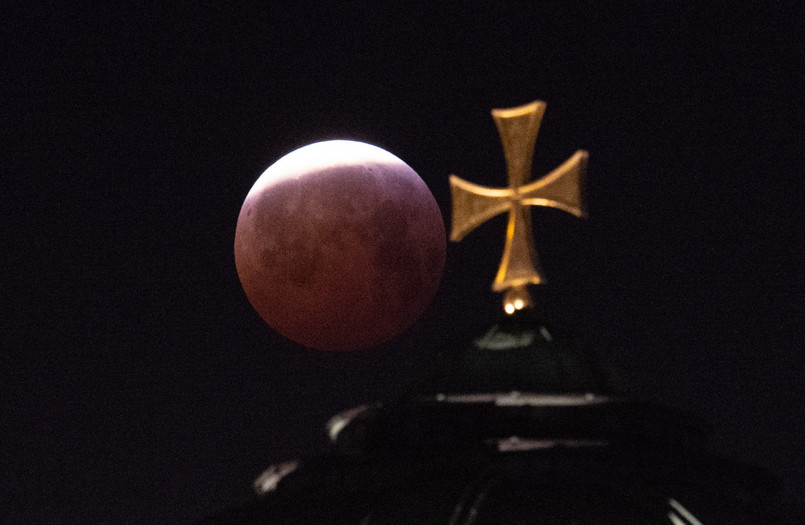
(340, 245)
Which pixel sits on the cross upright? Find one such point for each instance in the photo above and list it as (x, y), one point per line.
(474, 204)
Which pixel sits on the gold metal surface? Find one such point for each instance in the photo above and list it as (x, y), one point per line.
(474, 204)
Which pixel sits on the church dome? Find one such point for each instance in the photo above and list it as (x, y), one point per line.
(519, 353)
(542, 438)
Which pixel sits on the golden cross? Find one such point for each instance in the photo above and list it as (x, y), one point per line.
(474, 204)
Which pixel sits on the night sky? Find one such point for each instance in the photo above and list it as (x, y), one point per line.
(138, 384)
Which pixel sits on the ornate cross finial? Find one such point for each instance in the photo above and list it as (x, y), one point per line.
(474, 204)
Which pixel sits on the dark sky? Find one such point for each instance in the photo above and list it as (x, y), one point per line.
(139, 386)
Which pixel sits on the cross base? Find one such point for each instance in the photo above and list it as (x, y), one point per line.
(516, 298)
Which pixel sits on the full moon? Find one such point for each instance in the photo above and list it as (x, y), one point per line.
(339, 245)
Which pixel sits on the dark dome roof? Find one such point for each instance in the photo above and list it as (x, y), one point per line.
(515, 424)
(555, 485)
(518, 353)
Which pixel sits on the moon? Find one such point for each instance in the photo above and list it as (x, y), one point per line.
(340, 245)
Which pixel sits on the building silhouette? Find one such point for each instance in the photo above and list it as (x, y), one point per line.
(519, 423)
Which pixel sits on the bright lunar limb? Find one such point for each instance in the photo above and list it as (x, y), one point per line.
(340, 245)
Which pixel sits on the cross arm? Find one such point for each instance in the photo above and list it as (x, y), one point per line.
(561, 188)
(474, 204)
